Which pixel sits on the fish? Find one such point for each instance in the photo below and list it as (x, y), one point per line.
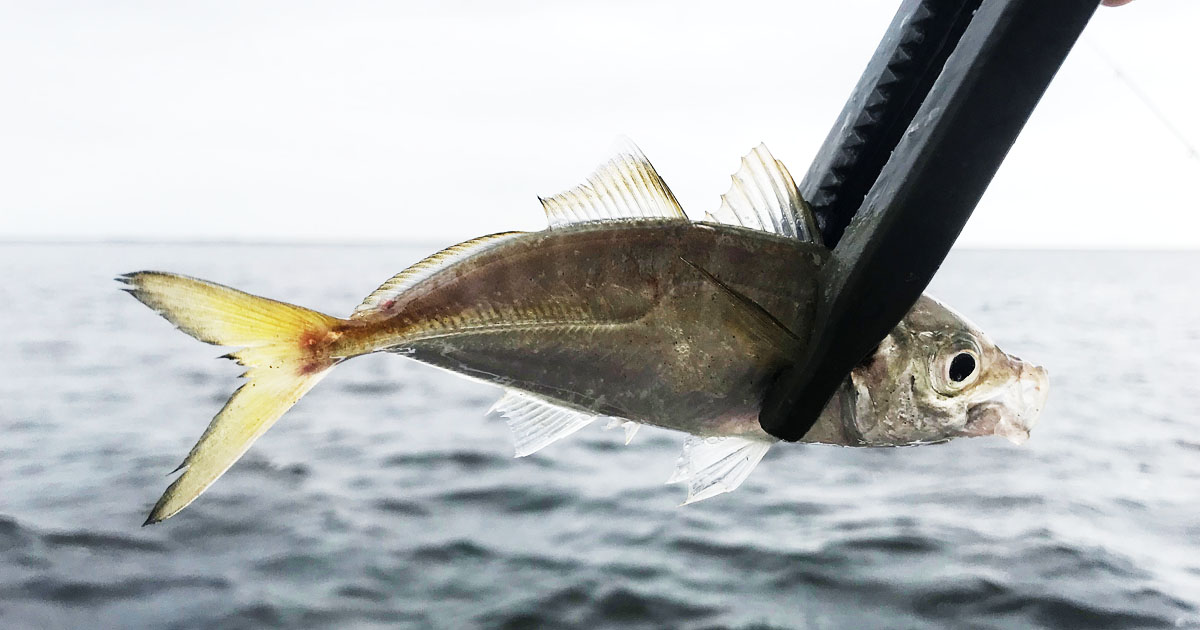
(624, 311)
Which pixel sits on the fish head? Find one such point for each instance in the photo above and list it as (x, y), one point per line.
(936, 377)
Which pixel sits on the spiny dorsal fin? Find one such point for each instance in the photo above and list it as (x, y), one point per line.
(715, 465)
(382, 298)
(625, 187)
(537, 422)
(764, 197)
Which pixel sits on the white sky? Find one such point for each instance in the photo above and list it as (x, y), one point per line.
(440, 121)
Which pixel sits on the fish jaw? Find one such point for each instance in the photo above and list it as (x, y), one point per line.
(1013, 412)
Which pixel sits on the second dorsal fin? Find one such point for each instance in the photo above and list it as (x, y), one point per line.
(382, 299)
(625, 187)
(764, 197)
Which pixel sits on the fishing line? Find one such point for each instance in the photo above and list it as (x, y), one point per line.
(1144, 98)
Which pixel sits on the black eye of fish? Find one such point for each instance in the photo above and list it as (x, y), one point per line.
(962, 367)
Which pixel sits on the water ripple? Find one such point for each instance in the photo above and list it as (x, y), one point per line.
(101, 543)
(349, 514)
(75, 592)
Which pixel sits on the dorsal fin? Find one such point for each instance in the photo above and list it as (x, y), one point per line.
(764, 197)
(625, 187)
(383, 297)
(714, 465)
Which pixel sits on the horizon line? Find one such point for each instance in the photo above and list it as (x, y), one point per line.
(215, 242)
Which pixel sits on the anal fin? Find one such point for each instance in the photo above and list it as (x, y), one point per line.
(536, 422)
(631, 428)
(715, 465)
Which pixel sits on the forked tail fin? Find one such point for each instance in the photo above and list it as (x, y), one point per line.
(285, 347)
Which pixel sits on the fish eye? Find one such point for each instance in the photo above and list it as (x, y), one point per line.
(955, 365)
(962, 366)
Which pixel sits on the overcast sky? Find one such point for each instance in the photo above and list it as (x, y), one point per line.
(440, 121)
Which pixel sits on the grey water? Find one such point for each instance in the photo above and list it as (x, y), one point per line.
(387, 499)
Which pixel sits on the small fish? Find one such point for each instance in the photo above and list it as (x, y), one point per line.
(623, 310)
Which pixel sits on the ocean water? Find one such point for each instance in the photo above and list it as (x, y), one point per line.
(387, 499)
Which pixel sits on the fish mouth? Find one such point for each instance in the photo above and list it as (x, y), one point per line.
(1013, 413)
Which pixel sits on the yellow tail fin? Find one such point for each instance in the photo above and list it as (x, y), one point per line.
(285, 348)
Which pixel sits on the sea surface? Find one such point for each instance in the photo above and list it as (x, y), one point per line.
(386, 498)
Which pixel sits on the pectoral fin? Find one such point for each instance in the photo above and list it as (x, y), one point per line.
(752, 316)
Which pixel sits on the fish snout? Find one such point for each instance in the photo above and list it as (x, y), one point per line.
(1012, 412)
(1034, 388)
(1023, 402)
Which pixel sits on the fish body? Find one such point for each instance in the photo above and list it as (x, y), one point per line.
(623, 310)
(614, 318)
